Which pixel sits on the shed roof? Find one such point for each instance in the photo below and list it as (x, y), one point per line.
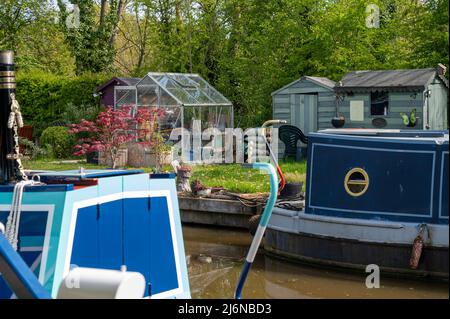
(321, 81)
(130, 81)
(389, 80)
(118, 82)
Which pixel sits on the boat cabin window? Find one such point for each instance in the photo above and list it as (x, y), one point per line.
(356, 182)
(379, 103)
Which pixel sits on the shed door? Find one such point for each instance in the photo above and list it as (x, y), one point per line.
(437, 107)
(304, 112)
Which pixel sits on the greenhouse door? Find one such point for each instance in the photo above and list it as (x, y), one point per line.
(304, 112)
(124, 96)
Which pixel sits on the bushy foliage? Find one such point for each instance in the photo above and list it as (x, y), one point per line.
(59, 139)
(33, 151)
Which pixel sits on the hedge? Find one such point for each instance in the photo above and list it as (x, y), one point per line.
(44, 97)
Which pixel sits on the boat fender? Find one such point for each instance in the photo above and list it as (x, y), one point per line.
(2, 228)
(94, 283)
(417, 248)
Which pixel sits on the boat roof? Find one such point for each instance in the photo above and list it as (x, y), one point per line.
(85, 173)
(432, 135)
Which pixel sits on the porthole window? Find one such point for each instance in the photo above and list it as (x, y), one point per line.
(356, 182)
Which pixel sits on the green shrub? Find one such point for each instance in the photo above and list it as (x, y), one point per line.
(33, 151)
(59, 139)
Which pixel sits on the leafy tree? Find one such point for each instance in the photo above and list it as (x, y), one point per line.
(92, 40)
(15, 15)
(246, 48)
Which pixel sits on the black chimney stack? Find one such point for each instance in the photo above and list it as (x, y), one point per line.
(8, 167)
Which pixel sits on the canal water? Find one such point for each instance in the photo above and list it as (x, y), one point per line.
(215, 257)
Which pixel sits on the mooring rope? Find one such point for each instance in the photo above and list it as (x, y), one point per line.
(13, 221)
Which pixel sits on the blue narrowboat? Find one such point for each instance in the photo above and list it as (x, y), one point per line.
(101, 219)
(372, 197)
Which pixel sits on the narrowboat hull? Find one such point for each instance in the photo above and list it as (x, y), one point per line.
(369, 195)
(353, 244)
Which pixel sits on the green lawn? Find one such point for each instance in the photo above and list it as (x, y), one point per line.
(53, 165)
(243, 180)
(231, 176)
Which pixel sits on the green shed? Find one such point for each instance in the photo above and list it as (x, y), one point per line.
(378, 99)
(367, 99)
(303, 103)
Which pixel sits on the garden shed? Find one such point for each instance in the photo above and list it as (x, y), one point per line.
(108, 91)
(380, 99)
(303, 102)
(367, 99)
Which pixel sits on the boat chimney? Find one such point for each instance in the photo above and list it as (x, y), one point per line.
(441, 69)
(8, 168)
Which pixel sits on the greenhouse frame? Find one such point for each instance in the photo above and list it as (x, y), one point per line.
(184, 97)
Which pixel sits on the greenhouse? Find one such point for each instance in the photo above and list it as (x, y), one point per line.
(183, 98)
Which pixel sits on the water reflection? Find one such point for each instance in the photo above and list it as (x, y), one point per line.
(215, 259)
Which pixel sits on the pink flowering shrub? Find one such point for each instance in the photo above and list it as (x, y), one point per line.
(114, 128)
(146, 119)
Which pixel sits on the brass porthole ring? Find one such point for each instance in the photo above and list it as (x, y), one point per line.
(356, 182)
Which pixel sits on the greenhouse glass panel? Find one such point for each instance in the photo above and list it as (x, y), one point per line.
(184, 97)
(166, 99)
(209, 90)
(210, 116)
(124, 95)
(170, 119)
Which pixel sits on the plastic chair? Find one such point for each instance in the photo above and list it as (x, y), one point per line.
(290, 135)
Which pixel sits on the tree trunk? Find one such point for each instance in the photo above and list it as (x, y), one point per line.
(102, 11)
(113, 153)
(190, 35)
(120, 8)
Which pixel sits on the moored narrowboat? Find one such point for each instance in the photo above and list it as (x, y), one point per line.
(372, 197)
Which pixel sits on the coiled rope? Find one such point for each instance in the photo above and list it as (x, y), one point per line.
(13, 221)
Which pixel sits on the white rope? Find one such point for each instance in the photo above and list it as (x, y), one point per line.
(15, 122)
(13, 221)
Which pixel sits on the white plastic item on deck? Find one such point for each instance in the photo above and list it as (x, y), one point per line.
(94, 283)
(2, 228)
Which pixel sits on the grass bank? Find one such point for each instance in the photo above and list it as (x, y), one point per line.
(230, 176)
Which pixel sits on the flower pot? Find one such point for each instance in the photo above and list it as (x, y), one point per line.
(291, 190)
(183, 172)
(338, 121)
